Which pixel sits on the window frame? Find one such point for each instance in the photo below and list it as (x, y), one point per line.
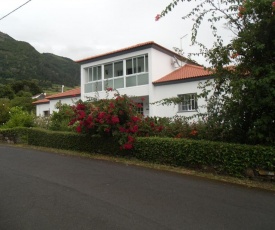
(115, 73)
(190, 101)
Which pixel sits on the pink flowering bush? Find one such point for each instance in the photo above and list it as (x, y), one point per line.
(117, 117)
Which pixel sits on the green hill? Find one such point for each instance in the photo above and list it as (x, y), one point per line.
(20, 61)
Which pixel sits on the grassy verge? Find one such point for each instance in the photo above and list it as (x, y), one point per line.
(265, 185)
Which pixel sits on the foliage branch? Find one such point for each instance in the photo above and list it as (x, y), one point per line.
(242, 107)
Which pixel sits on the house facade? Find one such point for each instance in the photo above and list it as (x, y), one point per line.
(147, 72)
(47, 105)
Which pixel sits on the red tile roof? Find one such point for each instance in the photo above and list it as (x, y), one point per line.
(69, 93)
(149, 43)
(186, 72)
(42, 101)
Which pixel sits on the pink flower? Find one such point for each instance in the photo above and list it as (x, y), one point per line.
(72, 122)
(160, 128)
(157, 17)
(80, 107)
(81, 114)
(130, 139)
(134, 129)
(135, 119)
(128, 146)
(115, 119)
(122, 130)
(101, 115)
(112, 105)
(109, 89)
(273, 4)
(78, 129)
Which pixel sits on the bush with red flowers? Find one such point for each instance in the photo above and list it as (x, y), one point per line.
(117, 117)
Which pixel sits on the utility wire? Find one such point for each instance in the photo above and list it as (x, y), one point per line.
(15, 10)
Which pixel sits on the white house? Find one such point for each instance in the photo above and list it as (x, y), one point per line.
(47, 105)
(147, 71)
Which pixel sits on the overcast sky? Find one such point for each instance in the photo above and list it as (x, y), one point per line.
(81, 28)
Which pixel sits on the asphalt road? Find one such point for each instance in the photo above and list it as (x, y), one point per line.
(40, 190)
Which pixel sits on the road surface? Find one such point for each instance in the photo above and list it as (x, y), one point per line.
(40, 190)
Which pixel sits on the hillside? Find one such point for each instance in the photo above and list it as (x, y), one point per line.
(20, 61)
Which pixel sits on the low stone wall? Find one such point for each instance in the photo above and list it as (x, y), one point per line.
(6, 139)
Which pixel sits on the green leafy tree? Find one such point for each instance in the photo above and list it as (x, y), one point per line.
(30, 86)
(6, 92)
(242, 108)
(24, 101)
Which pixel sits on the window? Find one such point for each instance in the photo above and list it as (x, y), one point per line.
(94, 73)
(137, 65)
(113, 75)
(140, 108)
(119, 74)
(137, 71)
(108, 71)
(189, 102)
(118, 69)
(94, 79)
(46, 113)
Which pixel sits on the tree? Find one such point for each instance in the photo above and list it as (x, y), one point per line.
(27, 86)
(242, 108)
(6, 92)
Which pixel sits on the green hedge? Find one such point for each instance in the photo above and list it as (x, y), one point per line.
(71, 141)
(225, 158)
(17, 135)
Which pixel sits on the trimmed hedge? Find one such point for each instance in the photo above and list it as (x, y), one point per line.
(71, 141)
(17, 135)
(225, 158)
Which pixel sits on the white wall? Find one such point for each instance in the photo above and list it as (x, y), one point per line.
(68, 101)
(173, 90)
(161, 65)
(40, 108)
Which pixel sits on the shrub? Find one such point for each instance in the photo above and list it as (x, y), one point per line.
(117, 118)
(71, 141)
(4, 110)
(225, 158)
(42, 122)
(59, 120)
(19, 118)
(17, 135)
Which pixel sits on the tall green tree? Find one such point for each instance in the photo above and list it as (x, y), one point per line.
(242, 108)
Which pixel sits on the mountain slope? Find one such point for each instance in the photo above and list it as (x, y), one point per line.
(20, 61)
